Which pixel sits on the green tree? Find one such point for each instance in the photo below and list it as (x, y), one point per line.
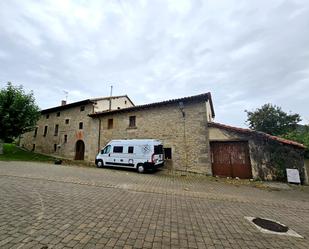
(271, 119)
(301, 135)
(18, 112)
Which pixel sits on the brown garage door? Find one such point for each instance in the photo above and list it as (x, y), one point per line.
(231, 159)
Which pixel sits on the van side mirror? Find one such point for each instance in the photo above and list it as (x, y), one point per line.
(102, 151)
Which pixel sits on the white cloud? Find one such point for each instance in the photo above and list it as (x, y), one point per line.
(245, 53)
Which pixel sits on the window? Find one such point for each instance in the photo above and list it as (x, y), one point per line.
(82, 108)
(55, 147)
(106, 150)
(47, 116)
(56, 129)
(110, 123)
(33, 147)
(65, 138)
(80, 125)
(168, 153)
(67, 121)
(130, 149)
(58, 114)
(35, 132)
(125, 102)
(118, 149)
(45, 130)
(132, 121)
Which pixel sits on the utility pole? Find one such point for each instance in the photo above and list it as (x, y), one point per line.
(110, 98)
(181, 108)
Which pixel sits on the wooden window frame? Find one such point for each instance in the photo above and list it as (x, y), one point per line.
(110, 123)
(132, 121)
(45, 131)
(56, 130)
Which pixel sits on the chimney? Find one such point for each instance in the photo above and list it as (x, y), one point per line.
(63, 102)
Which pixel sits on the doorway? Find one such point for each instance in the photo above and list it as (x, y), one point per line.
(231, 159)
(79, 150)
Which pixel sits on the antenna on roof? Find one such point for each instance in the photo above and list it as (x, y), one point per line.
(110, 98)
(66, 95)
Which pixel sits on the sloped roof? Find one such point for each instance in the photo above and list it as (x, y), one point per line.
(203, 97)
(67, 106)
(80, 103)
(257, 133)
(113, 97)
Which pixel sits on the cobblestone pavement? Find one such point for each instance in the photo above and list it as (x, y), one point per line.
(52, 206)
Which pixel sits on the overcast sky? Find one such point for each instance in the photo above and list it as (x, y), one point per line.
(246, 53)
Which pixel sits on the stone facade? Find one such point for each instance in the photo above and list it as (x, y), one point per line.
(183, 125)
(186, 136)
(73, 124)
(180, 124)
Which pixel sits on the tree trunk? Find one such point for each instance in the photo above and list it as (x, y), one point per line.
(1, 147)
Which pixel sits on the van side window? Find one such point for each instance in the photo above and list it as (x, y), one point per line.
(130, 149)
(106, 150)
(118, 149)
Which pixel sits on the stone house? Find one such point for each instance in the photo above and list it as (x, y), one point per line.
(68, 131)
(181, 124)
(192, 141)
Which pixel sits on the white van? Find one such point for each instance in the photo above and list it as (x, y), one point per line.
(140, 154)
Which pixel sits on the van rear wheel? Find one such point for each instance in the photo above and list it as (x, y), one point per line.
(100, 164)
(140, 168)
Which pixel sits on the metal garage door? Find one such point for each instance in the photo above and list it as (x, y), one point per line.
(231, 159)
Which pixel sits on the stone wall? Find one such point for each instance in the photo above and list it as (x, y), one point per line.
(45, 144)
(89, 133)
(116, 103)
(268, 158)
(187, 137)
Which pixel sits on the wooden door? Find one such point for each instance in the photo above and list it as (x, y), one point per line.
(231, 159)
(79, 150)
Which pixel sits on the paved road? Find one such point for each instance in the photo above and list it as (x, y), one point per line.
(51, 206)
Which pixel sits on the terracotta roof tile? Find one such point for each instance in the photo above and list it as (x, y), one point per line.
(259, 133)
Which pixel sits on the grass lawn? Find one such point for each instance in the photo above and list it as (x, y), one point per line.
(14, 153)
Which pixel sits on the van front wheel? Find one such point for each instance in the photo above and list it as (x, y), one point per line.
(100, 164)
(140, 168)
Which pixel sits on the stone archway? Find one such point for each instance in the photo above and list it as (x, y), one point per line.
(79, 150)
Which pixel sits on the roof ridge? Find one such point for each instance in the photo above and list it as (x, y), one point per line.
(188, 98)
(264, 134)
(108, 97)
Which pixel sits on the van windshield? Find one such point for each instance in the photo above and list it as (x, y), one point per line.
(106, 150)
(158, 149)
